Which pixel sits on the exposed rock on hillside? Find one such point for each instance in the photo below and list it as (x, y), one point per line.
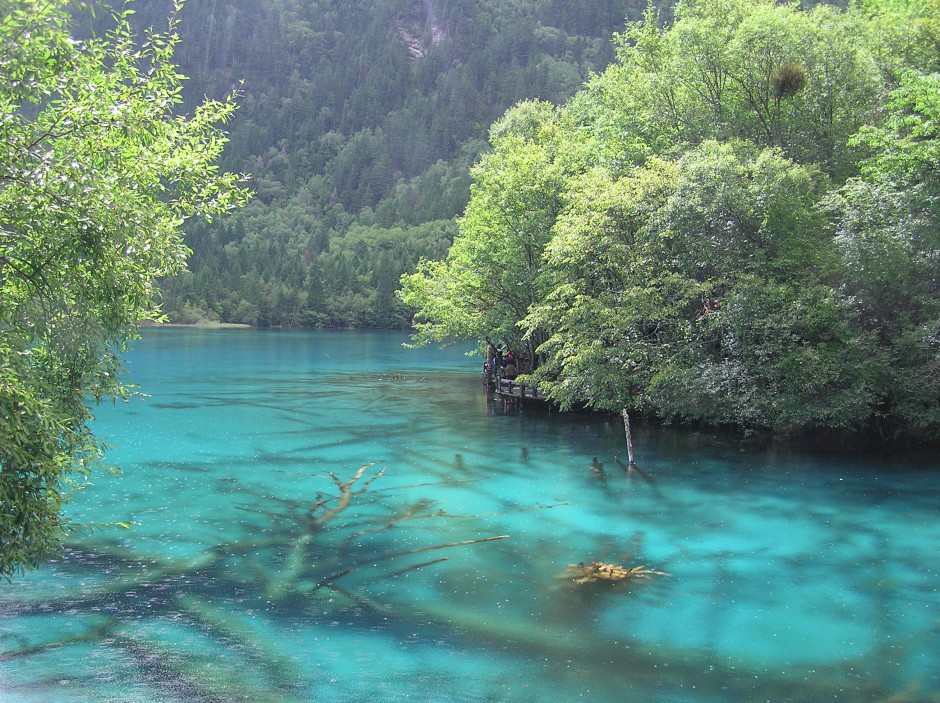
(420, 29)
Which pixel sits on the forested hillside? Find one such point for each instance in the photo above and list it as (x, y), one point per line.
(359, 122)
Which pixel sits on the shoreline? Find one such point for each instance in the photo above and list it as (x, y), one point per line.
(198, 325)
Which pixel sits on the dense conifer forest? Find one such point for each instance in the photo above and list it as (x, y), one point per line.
(358, 123)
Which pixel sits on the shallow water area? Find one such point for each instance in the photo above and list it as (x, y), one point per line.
(328, 516)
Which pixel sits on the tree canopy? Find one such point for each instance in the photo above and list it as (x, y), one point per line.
(98, 172)
(743, 225)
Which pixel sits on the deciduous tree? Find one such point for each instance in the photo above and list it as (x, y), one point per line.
(97, 174)
(494, 271)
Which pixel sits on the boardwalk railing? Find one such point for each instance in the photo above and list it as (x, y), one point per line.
(508, 388)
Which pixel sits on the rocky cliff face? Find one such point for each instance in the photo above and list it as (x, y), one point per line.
(420, 29)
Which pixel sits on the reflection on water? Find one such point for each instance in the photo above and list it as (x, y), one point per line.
(330, 517)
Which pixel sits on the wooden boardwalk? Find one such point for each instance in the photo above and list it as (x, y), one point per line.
(508, 388)
(510, 391)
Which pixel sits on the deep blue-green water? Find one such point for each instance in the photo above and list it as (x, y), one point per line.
(308, 511)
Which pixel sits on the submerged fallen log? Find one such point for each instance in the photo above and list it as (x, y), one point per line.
(294, 569)
(642, 664)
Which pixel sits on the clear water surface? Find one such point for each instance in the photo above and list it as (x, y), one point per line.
(330, 517)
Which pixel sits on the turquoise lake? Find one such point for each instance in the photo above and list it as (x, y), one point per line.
(330, 517)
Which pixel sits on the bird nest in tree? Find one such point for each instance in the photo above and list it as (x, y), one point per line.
(601, 572)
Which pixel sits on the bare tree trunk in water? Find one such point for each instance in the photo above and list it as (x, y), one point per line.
(626, 429)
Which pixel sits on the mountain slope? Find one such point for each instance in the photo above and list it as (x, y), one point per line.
(359, 121)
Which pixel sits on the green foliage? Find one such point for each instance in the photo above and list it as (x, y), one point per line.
(904, 34)
(743, 227)
(494, 271)
(613, 310)
(739, 210)
(97, 174)
(664, 292)
(785, 357)
(889, 234)
(715, 74)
